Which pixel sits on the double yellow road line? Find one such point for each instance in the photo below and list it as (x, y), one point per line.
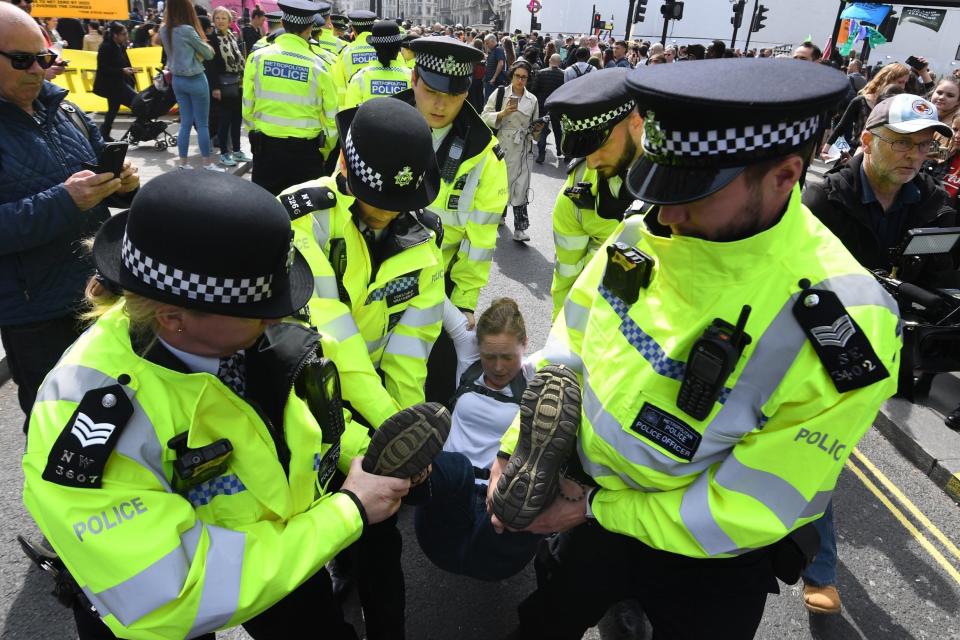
(928, 527)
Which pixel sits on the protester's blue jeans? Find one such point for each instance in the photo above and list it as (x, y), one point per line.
(454, 530)
(823, 570)
(193, 97)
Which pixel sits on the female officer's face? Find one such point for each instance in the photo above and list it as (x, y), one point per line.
(501, 356)
(209, 334)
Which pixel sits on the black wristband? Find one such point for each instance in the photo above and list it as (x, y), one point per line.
(504, 455)
(465, 310)
(356, 501)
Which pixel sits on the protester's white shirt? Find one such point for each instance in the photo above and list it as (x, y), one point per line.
(478, 420)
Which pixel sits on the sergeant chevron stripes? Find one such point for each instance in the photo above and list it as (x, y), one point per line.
(837, 334)
(89, 433)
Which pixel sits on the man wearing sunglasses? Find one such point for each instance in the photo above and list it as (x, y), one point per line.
(48, 204)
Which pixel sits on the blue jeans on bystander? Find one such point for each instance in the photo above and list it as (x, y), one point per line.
(193, 96)
(822, 571)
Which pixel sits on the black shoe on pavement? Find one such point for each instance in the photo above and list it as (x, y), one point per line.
(549, 419)
(540, 159)
(407, 442)
(953, 420)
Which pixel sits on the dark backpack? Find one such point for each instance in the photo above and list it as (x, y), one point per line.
(470, 383)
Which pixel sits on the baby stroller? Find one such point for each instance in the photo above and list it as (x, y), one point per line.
(150, 104)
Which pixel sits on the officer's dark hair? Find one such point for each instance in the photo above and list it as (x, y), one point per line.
(502, 316)
(387, 53)
(257, 13)
(754, 173)
(582, 54)
(815, 50)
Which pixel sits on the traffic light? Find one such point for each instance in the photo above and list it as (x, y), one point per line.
(737, 18)
(597, 21)
(759, 18)
(672, 10)
(641, 12)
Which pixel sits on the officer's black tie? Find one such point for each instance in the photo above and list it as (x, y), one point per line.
(233, 372)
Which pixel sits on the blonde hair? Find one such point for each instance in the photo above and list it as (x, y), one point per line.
(222, 9)
(886, 76)
(141, 311)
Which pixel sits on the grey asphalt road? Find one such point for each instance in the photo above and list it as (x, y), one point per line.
(893, 584)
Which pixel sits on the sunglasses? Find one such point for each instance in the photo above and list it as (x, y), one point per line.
(23, 61)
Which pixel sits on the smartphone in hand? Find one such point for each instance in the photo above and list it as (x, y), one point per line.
(111, 160)
(915, 63)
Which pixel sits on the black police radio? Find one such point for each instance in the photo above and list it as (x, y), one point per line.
(713, 358)
(319, 385)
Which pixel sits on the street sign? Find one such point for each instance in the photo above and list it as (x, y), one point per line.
(534, 6)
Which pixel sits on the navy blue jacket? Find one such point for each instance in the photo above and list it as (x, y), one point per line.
(43, 268)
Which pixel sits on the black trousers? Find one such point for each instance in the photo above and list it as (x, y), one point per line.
(32, 351)
(310, 606)
(281, 163)
(125, 98)
(442, 381)
(591, 568)
(228, 130)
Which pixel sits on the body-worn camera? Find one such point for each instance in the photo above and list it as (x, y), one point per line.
(194, 466)
(628, 271)
(580, 195)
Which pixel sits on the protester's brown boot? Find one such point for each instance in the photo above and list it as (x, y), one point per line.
(823, 600)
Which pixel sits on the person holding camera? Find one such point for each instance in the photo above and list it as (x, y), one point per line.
(49, 201)
(513, 113)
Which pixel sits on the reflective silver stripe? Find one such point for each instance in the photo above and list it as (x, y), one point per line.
(631, 447)
(307, 101)
(470, 187)
(138, 441)
(699, 521)
(569, 270)
(321, 227)
(575, 315)
(414, 317)
(375, 345)
(248, 102)
(596, 470)
(817, 505)
(326, 287)
(776, 351)
(775, 493)
(299, 123)
(485, 217)
(340, 328)
(479, 254)
(222, 578)
(571, 243)
(400, 345)
(150, 589)
(558, 352)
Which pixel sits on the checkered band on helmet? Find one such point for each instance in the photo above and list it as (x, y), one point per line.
(361, 169)
(295, 19)
(194, 286)
(362, 22)
(447, 65)
(732, 141)
(568, 125)
(398, 37)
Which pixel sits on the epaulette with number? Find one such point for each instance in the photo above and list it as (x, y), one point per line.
(836, 337)
(498, 151)
(300, 203)
(80, 453)
(638, 208)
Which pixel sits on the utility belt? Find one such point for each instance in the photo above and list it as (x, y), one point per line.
(260, 142)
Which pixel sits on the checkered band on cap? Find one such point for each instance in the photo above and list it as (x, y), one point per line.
(295, 19)
(361, 169)
(385, 39)
(362, 22)
(194, 286)
(568, 125)
(447, 65)
(735, 141)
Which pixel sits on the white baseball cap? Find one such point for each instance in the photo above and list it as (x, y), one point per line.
(907, 113)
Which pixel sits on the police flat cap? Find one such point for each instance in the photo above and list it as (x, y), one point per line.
(273, 16)
(361, 18)
(589, 107)
(298, 11)
(339, 20)
(700, 133)
(324, 8)
(445, 63)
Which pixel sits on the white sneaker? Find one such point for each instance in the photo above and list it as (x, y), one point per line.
(520, 236)
(184, 166)
(214, 167)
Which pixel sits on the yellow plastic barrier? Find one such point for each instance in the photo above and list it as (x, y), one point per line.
(79, 74)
